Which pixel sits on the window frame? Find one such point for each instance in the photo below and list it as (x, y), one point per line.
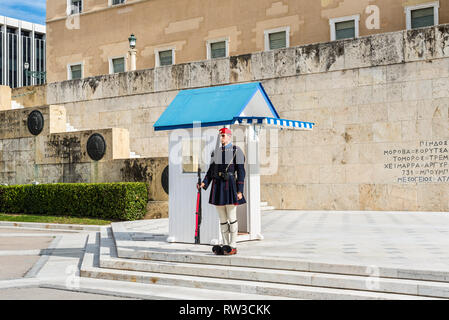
(334, 21)
(281, 29)
(69, 8)
(69, 70)
(408, 12)
(212, 41)
(111, 64)
(191, 141)
(113, 5)
(156, 54)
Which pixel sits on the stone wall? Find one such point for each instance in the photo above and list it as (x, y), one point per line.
(52, 155)
(30, 96)
(373, 99)
(5, 98)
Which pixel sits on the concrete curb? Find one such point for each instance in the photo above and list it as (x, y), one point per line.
(51, 226)
(20, 283)
(43, 259)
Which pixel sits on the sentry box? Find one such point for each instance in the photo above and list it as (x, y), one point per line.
(194, 118)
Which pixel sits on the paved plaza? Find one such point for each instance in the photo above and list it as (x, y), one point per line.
(400, 239)
(395, 239)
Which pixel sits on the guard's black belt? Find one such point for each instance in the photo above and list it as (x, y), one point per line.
(222, 174)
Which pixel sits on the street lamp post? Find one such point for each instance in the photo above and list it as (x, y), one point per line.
(132, 51)
(41, 75)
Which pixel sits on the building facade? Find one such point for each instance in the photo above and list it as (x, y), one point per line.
(90, 37)
(21, 42)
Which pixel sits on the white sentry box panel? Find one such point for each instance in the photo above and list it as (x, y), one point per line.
(183, 195)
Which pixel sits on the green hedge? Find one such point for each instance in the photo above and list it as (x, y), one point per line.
(115, 201)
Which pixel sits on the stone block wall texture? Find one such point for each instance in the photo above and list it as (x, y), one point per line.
(57, 156)
(5, 98)
(30, 96)
(380, 104)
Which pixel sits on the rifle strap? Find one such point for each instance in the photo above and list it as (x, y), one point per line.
(233, 158)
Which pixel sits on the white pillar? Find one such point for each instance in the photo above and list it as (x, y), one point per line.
(33, 55)
(19, 56)
(5, 49)
(253, 181)
(132, 55)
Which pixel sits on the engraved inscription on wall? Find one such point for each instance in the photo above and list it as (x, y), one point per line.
(427, 163)
(64, 149)
(9, 125)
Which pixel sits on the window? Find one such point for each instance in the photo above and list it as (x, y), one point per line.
(115, 2)
(423, 15)
(12, 62)
(344, 27)
(2, 81)
(422, 18)
(277, 38)
(74, 6)
(26, 57)
(344, 30)
(192, 155)
(75, 71)
(117, 65)
(217, 48)
(40, 57)
(165, 57)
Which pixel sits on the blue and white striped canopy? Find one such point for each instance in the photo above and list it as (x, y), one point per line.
(275, 123)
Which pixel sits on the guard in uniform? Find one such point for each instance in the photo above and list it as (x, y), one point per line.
(226, 174)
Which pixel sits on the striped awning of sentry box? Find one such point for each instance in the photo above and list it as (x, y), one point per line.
(275, 123)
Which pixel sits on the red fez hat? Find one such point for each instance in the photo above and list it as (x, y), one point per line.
(225, 130)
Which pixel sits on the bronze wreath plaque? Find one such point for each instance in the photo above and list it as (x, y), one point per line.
(96, 146)
(164, 179)
(35, 122)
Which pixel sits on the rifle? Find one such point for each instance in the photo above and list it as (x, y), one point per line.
(198, 210)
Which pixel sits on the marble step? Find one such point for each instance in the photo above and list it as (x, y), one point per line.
(70, 128)
(115, 282)
(241, 286)
(220, 288)
(204, 257)
(133, 155)
(16, 105)
(145, 291)
(109, 260)
(265, 207)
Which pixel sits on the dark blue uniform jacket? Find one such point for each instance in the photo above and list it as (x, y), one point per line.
(225, 192)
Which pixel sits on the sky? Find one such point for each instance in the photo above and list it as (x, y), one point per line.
(28, 10)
